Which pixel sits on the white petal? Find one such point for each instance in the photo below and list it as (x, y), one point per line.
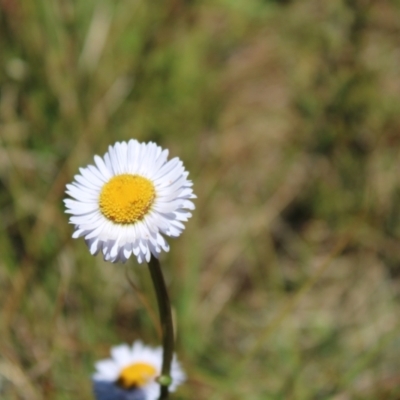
(102, 168)
(121, 355)
(108, 370)
(91, 177)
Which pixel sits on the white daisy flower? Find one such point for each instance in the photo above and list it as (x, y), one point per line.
(131, 372)
(132, 195)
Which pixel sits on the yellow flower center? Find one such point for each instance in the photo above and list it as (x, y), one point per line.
(126, 198)
(136, 375)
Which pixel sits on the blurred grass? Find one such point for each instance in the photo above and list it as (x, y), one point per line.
(286, 113)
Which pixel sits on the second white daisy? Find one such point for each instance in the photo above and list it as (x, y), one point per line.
(131, 372)
(132, 195)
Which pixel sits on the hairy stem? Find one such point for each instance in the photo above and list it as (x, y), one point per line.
(164, 308)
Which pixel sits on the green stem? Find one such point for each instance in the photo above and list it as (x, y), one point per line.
(164, 308)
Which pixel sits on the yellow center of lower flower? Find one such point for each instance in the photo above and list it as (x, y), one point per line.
(136, 375)
(126, 198)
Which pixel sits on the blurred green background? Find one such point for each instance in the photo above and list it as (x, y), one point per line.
(286, 281)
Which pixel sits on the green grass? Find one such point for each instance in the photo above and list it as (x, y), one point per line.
(286, 281)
